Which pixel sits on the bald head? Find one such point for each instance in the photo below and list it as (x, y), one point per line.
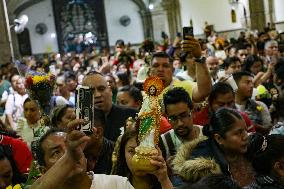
(212, 63)
(102, 93)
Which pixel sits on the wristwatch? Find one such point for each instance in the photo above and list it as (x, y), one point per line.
(200, 60)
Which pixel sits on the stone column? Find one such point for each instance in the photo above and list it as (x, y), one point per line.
(147, 24)
(146, 18)
(172, 8)
(5, 52)
(257, 14)
(271, 13)
(160, 22)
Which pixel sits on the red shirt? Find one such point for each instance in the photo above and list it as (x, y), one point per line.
(21, 153)
(202, 118)
(164, 125)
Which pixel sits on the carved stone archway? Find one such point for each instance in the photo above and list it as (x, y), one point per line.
(15, 7)
(146, 17)
(172, 8)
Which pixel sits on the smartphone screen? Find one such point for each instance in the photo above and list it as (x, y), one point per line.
(84, 108)
(187, 31)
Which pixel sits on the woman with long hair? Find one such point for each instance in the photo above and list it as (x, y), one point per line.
(140, 179)
(9, 173)
(222, 151)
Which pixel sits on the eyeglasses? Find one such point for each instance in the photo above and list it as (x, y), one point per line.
(182, 117)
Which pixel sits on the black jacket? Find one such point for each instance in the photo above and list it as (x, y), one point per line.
(116, 120)
(265, 182)
(104, 161)
(198, 158)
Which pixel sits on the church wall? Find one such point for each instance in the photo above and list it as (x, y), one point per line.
(217, 13)
(42, 13)
(279, 14)
(133, 32)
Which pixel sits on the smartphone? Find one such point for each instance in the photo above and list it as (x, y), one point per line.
(187, 31)
(84, 108)
(178, 34)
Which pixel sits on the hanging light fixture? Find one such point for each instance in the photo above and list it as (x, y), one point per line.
(18, 26)
(150, 5)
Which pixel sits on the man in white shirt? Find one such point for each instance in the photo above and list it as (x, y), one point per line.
(14, 104)
(63, 164)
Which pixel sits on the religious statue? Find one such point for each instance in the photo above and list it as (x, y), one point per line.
(148, 121)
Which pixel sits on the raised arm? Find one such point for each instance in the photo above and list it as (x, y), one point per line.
(56, 176)
(203, 88)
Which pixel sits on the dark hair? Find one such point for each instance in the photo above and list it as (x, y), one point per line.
(29, 100)
(6, 152)
(229, 61)
(119, 42)
(221, 122)
(161, 55)
(265, 151)
(10, 78)
(242, 46)
(238, 75)
(58, 113)
(219, 88)
(134, 92)
(279, 69)
(176, 95)
(70, 75)
(249, 61)
(38, 151)
(125, 59)
(218, 181)
(261, 33)
(94, 72)
(123, 77)
(122, 168)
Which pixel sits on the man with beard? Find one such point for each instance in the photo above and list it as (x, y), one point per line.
(178, 108)
(213, 66)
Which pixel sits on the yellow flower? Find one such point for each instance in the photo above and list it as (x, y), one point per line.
(17, 186)
(40, 78)
(259, 108)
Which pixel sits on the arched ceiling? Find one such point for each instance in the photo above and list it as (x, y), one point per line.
(15, 7)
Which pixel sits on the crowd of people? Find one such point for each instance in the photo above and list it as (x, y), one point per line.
(222, 122)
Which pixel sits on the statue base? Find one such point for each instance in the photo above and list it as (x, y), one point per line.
(141, 161)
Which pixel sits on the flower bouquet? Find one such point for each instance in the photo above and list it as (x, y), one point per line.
(40, 88)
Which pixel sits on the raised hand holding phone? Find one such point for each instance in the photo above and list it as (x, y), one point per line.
(189, 44)
(84, 108)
